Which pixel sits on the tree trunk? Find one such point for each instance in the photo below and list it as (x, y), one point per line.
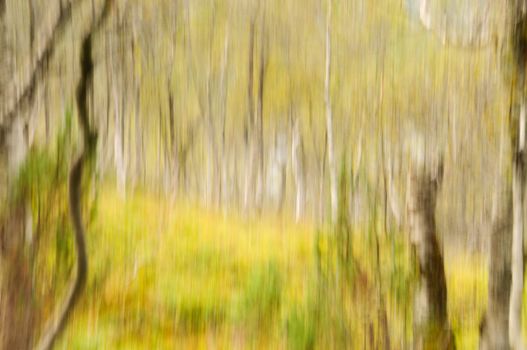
(431, 327)
(119, 112)
(249, 123)
(120, 168)
(329, 122)
(259, 122)
(89, 137)
(223, 196)
(139, 144)
(517, 119)
(16, 311)
(297, 155)
(213, 164)
(5, 60)
(494, 329)
(174, 159)
(518, 191)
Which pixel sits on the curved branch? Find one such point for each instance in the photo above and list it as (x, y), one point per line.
(79, 281)
(75, 192)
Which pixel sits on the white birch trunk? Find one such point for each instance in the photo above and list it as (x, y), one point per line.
(297, 155)
(329, 121)
(431, 326)
(120, 168)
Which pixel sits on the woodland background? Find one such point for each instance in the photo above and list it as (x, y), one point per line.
(219, 210)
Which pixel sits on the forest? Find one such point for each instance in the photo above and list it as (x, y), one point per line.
(263, 174)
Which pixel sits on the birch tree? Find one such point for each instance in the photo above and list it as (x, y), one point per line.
(329, 121)
(431, 327)
(495, 331)
(298, 161)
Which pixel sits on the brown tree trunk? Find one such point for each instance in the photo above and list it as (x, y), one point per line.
(16, 288)
(431, 327)
(16, 311)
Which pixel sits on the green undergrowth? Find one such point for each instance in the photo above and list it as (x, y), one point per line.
(165, 275)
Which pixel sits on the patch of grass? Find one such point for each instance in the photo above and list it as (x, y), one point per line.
(301, 329)
(261, 298)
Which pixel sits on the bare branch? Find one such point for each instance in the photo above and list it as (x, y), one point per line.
(39, 70)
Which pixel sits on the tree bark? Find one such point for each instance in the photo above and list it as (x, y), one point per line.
(16, 309)
(431, 327)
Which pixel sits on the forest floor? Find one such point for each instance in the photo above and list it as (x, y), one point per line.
(171, 275)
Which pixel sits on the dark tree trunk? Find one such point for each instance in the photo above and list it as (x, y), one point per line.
(431, 327)
(16, 311)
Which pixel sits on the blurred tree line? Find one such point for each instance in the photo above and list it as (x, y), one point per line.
(259, 106)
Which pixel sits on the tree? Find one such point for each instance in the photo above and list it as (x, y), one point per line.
(518, 38)
(329, 122)
(298, 160)
(16, 327)
(431, 327)
(494, 329)
(249, 121)
(16, 323)
(513, 69)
